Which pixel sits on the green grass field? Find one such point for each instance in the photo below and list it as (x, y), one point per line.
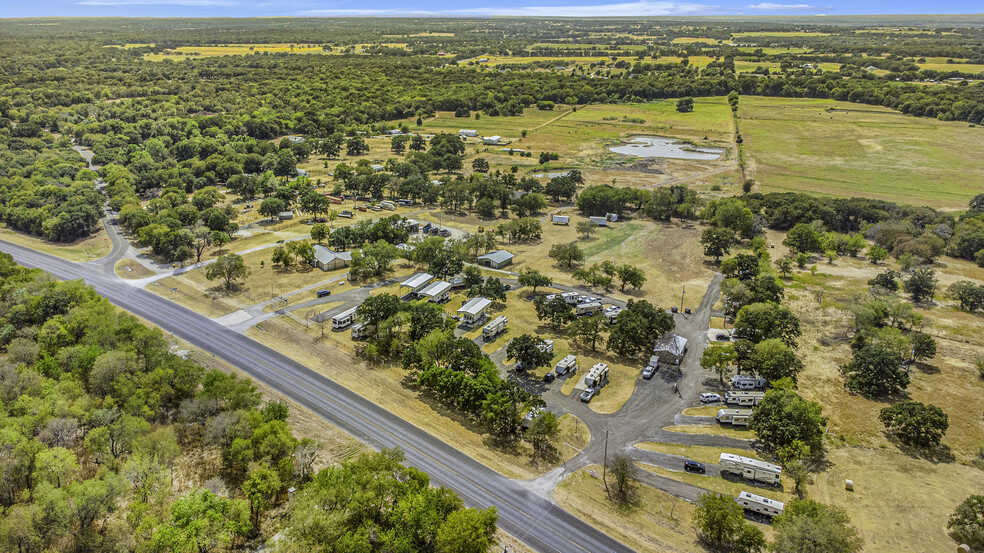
(860, 150)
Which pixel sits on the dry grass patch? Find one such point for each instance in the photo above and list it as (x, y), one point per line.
(698, 453)
(183, 292)
(659, 522)
(131, 268)
(713, 430)
(703, 410)
(89, 249)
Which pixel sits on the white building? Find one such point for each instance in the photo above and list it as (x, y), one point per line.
(496, 260)
(494, 139)
(467, 132)
(473, 311)
(560, 219)
(416, 283)
(436, 292)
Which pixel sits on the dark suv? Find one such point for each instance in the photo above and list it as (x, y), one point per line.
(693, 466)
(324, 293)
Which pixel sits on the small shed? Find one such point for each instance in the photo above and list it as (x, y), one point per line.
(377, 167)
(600, 221)
(560, 220)
(394, 132)
(286, 215)
(436, 291)
(671, 348)
(467, 132)
(327, 259)
(496, 260)
(495, 139)
(473, 311)
(416, 283)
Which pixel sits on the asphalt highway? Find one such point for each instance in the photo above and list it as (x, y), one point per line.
(530, 518)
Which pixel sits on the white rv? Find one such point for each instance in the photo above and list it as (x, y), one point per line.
(597, 376)
(587, 308)
(546, 346)
(359, 331)
(750, 469)
(760, 505)
(495, 327)
(746, 382)
(571, 297)
(743, 398)
(612, 313)
(566, 365)
(654, 361)
(343, 319)
(734, 417)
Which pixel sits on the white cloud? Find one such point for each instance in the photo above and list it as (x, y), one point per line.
(769, 6)
(641, 8)
(200, 3)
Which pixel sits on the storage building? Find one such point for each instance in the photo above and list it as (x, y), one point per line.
(328, 260)
(416, 283)
(473, 311)
(496, 260)
(436, 291)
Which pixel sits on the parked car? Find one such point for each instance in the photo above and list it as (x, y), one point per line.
(710, 397)
(722, 337)
(549, 377)
(345, 213)
(693, 466)
(587, 394)
(249, 205)
(508, 287)
(324, 293)
(648, 372)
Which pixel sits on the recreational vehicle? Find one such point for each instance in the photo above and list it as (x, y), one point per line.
(546, 346)
(359, 331)
(750, 469)
(494, 328)
(734, 417)
(597, 376)
(343, 319)
(612, 313)
(746, 382)
(761, 505)
(566, 365)
(743, 398)
(587, 308)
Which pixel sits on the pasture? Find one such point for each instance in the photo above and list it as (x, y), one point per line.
(827, 147)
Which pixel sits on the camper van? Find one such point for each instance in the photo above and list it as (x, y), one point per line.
(761, 505)
(734, 417)
(597, 376)
(587, 308)
(743, 398)
(746, 382)
(343, 319)
(494, 328)
(359, 331)
(566, 365)
(750, 469)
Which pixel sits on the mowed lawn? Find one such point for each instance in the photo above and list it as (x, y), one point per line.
(827, 147)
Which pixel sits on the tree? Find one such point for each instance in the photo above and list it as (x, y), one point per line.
(230, 268)
(471, 277)
(587, 330)
(567, 254)
(398, 144)
(260, 489)
(632, 276)
(557, 311)
(785, 266)
(803, 238)
(220, 239)
(530, 352)
(637, 326)
(876, 371)
(356, 146)
(543, 429)
(761, 321)
(920, 285)
(923, 346)
(480, 165)
(623, 468)
(685, 105)
(806, 526)
(717, 241)
(884, 283)
(203, 239)
(202, 521)
(467, 531)
(719, 358)
(783, 417)
(373, 260)
(969, 294)
(320, 232)
(54, 466)
(377, 308)
(773, 359)
(533, 279)
(271, 207)
(586, 229)
(877, 254)
(720, 524)
(561, 188)
(283, 256)
(966, 524)
(915, 424)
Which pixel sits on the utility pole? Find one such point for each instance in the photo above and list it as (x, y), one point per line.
(604, 469)
(683, 295)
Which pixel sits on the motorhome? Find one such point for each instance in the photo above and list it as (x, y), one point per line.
(343, 319)
(734, 417)
(743, 398)
(746, 382)
(597, 376)
(761, 505)
(587, 308)
(566, 365)
(750, 469)
(495, 327)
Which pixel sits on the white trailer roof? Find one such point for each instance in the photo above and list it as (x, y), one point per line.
(763, 500)
(344, 314)
(750, 462)
(475, 306)
(417, 280)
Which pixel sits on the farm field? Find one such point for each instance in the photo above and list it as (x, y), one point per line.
(826, 147)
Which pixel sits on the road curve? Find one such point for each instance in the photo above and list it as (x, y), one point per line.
(527, 516)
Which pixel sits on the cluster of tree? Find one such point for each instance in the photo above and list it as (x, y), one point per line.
(660, 204)
(603, 275)
(633, 333)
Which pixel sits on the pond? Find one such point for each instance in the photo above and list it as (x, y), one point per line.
(655, 146)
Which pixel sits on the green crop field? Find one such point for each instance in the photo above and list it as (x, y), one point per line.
(837, 148)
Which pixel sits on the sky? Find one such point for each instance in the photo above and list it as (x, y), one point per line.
(454, 8)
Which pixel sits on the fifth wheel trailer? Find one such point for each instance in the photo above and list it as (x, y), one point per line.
(343, 319)
(750, 469)
(759, 504)
(743, 398)
(734, 417)
(495, 327)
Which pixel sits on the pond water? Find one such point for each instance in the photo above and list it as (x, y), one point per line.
(656, 146)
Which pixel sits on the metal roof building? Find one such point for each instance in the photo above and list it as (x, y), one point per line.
(474, 310)
(496, 259)
(417, 282)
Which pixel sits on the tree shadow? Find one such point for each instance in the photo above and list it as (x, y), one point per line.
(937, 454)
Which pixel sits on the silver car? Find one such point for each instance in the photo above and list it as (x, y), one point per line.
(586, 395)
(710, 397)
(648, 372)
